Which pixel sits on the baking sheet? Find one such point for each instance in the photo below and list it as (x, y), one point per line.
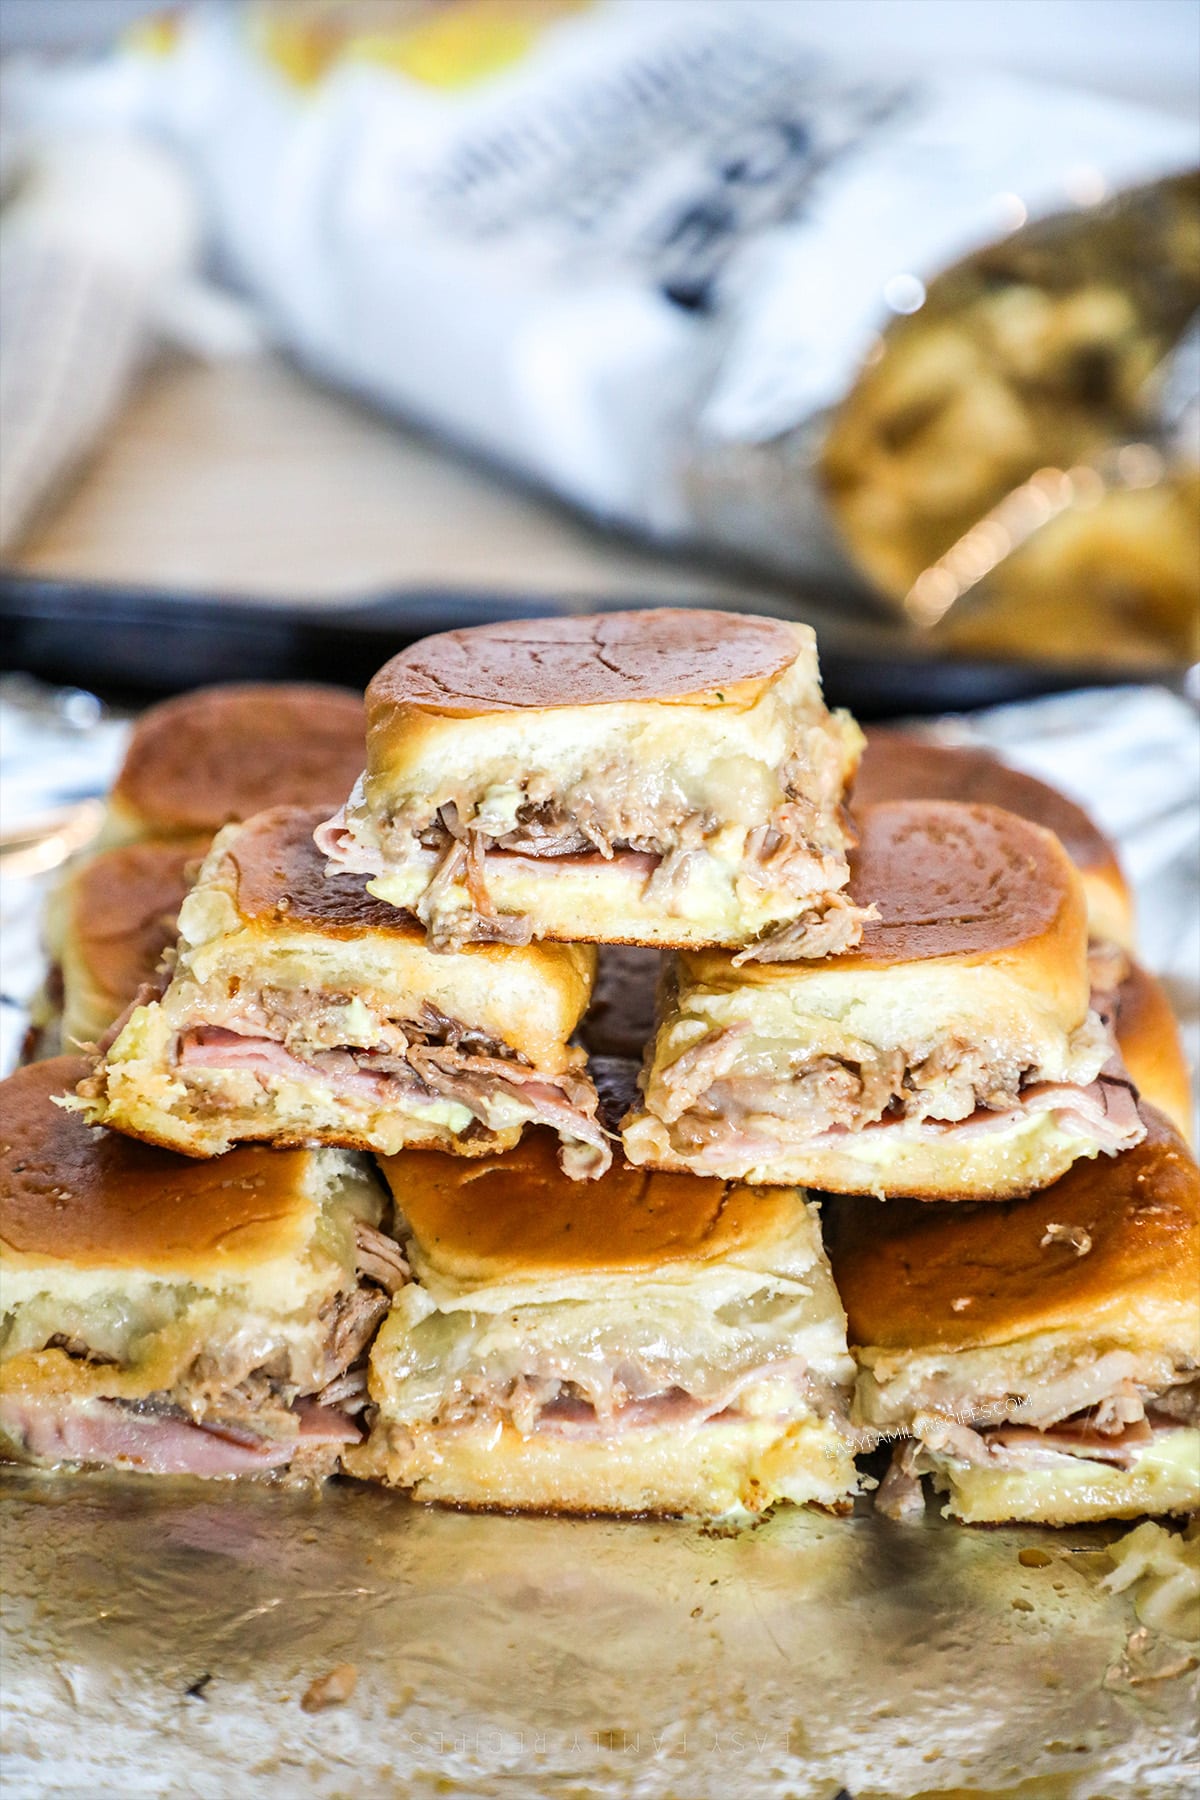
(159, 1637)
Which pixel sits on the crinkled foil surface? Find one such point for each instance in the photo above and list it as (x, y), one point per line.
(160, 1636)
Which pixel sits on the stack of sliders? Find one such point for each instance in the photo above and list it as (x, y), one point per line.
(573, 1334)
(499, 1311)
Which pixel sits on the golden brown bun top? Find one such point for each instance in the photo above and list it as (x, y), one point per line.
(665, 654)
(78, 1194)
(1147, 1034)
(904, 1268)
(517, 1214)
(950, 880)
(898, 766)
(222, 753)
(283, 879)
(123, 908)
(971, 882)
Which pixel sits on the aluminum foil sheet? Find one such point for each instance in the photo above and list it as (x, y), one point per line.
(164, 1638)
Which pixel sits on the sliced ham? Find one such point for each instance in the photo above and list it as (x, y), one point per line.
(213, 1047)
(675, 1407)
(323, 1424)
(1105, 1111)
(1074, 1437)
(638, 865)
(107, 1433)
(337, 841)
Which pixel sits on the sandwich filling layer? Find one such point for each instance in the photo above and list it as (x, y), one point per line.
(259, 1395)
(1062, 1476)
(587, 1369)
(730, 1097)
(1046, 1415)
(303, 1062)
(738, 1080)
(460, 866)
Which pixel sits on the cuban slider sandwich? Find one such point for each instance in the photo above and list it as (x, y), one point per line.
(1043, 1355)
(644, 1344)
(952, 1054)
(898, 765)
(303, 1011)
(662, 777)
(175, 1316)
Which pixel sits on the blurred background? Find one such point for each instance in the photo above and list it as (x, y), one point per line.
(327, 323)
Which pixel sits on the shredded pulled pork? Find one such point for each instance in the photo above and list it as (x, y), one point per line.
(353, 1320)
(1108, 967)
(826, 929)
(1181, 1403)
(900, 1495)
(380, 1258)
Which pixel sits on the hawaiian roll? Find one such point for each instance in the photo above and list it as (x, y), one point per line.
(951, 1054)
(643, 1344)
(302, 1010)
(219, 754)
(899, 765)
(663, 777)
(1041, 1356)
(175, 1316)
